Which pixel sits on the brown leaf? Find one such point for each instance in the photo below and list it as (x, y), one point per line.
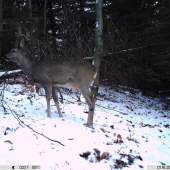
(119, 136)
(108, 143)
(120, 141)
(130, 159)
(160, 130)
(112, 126)
(118, 166)
(131, 108)
(8, 141)
(102, 130)
(139, 158)
(97, 151)
(35, 136)
(105, 155)
(85, 154)
(167, 126)
(32, 89)
(71, 139)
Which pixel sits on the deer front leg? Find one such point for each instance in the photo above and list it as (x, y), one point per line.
(55, 98)
(48, 90)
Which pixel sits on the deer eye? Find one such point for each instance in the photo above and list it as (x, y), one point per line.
(13, 51)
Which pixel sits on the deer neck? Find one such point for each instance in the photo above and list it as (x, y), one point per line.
(26, 64)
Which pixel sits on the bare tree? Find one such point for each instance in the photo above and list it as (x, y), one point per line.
(45, 17)
(1, 26)
(98, 44)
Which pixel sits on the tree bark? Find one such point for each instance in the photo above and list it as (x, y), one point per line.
(31, 20)
(1, 27)
(45, 18)
(30, 8)
(98, 44)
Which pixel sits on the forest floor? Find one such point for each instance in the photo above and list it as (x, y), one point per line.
(130, 131)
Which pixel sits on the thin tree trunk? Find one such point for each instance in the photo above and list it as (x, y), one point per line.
(67, 25)
(1, 28)
(31, 21)
(45, 18)
(30, 8)
(98, 44)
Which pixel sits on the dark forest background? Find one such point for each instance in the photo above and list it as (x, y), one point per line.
(136, 37)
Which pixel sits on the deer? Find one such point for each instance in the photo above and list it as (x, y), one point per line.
(53, 73)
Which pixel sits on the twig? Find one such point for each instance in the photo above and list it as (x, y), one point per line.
(18, 119)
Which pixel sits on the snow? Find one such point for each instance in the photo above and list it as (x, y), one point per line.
(124, 124)
(97, 26)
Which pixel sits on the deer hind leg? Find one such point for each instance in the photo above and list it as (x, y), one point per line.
(48, 90)
(55, 98)
(90, 101)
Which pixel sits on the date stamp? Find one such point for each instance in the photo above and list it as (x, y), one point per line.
(156, 167)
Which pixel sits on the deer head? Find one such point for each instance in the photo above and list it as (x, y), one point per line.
(20, 47)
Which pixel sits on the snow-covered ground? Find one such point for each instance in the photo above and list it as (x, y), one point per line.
(130, 131)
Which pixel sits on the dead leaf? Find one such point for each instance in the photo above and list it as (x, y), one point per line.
(71, 139)
(85, 154)
(108, 143)
(32, 89)
(8, 141)
(139, 158)
(167, 126)
(105, 155)
(102, 130)
(131, 108)
(118, 166)
(112, 126)
(35, 136)
(130, 159)
(119, 136)
(97, 151)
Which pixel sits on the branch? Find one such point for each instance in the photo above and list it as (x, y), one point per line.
(7, 107)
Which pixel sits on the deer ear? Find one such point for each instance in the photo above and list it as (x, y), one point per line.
(22, 43)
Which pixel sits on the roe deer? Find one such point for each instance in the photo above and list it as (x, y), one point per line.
(53, 73)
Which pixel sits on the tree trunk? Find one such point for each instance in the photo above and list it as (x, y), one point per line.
(98, 44)
(45, 18)
(51, 17)
(30, 8)
(1, 28)
(31, 22)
